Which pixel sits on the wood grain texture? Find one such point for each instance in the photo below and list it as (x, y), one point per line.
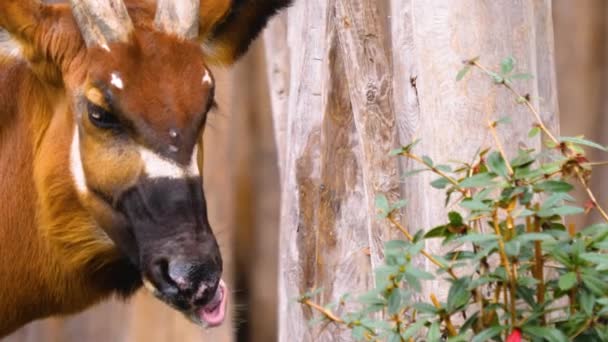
(355, 92)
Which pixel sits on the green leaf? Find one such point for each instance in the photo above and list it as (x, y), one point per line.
(567, 281)
(455, 219)
(358, 333)
(399, 204)
(564, 210)
(596, 258)
(419, 274)
(473, 204)
(427, 161)
(396, 152)
(440, 183)
(463, 72)
(584, 142)
(595, 284)
(425, 308)
(444, 168)
(554, 186)
(459, 294)
(534, 237)
(497, 164)
(534, 132)
(586, 301)
(546, 333)
(489, 333)
(382, 203)
(522, 76)
(413, 329)
(513, 248)
(413, 172)
(396, 244)
(507, 65)
(479, 180)
(477, 238)
(394, 302)
(434, 334)
(439, 231)
(504, 120)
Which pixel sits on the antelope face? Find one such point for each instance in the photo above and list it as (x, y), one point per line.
(139, 114)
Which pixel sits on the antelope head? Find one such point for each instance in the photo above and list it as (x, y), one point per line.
(122, 91)
(140, 97)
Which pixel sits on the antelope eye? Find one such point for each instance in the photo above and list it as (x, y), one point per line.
(102, 118)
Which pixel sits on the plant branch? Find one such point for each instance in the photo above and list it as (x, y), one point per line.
(325, 312)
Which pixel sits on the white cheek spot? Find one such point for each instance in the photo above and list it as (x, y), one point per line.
(207, 78)
(117, 81)
(157, 166)
(105, 47)
(76, 163)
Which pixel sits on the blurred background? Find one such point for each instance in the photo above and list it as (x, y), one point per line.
(242, 179)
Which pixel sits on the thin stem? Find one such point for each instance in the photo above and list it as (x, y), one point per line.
(591, 196)
(602, 163)
(328, 314)
(423, 252)
(438, 172)
(507, 265)
(448, 322)
(492, 126)
(526, 101)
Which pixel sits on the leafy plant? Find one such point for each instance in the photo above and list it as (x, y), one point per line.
(515, 270)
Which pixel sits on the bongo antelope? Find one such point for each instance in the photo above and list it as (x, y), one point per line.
(102, 107)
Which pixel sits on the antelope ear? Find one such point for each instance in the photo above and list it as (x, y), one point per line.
(30, 29)
(227, 27)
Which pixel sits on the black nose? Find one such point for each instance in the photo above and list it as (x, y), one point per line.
(195, 282)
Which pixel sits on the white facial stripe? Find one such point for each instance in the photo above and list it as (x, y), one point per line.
(76, 163)
(105, 47)
(117, 81)
(156, 166)
(207, 78)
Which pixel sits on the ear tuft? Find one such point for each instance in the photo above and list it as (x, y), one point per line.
(227, 36)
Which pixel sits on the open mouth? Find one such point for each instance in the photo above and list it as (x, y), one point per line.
(209, 315)
(214, 312)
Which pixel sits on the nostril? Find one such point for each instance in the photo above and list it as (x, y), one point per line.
(179, 272)
(161, 278)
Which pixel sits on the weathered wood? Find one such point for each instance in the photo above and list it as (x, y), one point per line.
(348, 107)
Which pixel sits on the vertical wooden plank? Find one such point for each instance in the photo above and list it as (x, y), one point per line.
(581, 34)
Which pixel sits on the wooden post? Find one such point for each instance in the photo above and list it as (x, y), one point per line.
(358, 87)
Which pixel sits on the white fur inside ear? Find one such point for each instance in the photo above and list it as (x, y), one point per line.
(8, 46)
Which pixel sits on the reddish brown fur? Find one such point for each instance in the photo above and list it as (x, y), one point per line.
(53, 257)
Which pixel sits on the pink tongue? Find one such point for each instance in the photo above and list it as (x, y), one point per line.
(214, 313)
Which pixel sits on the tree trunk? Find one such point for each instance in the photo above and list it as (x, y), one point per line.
(347, 88)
